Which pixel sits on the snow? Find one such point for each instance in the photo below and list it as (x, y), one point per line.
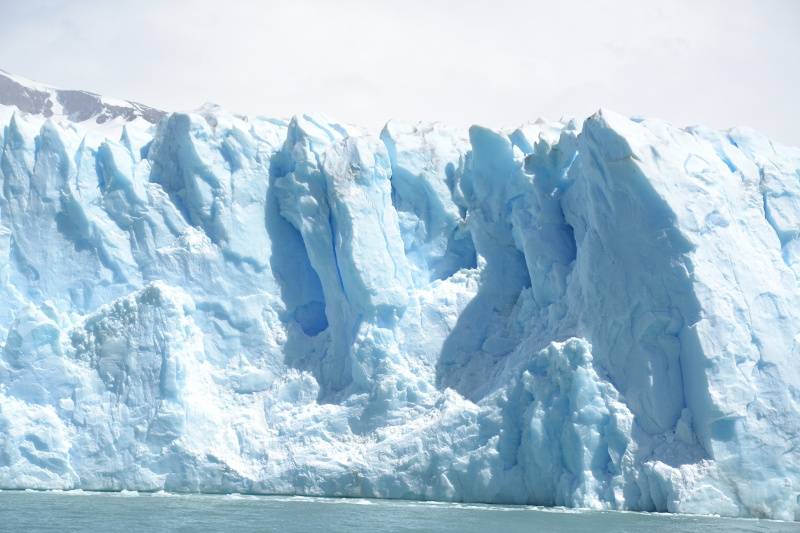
(599, 315)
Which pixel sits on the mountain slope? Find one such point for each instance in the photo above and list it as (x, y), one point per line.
(78, 106)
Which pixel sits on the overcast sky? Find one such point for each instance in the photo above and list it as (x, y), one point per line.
(495, 63)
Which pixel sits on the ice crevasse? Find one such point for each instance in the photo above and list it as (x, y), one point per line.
(600, 315)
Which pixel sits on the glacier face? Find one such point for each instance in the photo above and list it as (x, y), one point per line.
(602, 315)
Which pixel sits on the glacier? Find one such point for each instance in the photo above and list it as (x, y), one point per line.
(602, 314)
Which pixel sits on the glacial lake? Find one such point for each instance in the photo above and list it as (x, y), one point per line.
(31, 512)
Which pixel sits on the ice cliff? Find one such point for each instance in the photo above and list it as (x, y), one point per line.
(601, 315)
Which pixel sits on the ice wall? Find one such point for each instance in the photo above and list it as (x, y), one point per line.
(601, 315)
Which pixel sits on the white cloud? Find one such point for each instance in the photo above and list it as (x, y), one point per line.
(720, 63)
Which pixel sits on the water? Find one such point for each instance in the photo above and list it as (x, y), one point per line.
(30, 512)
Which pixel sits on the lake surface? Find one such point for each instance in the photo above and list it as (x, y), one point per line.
(30, 512)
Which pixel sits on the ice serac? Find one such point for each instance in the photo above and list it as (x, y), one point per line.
(335, 189)
(727, 329)
(602, 315)
(425, 158)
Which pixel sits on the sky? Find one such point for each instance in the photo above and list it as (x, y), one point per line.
(496, 63)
